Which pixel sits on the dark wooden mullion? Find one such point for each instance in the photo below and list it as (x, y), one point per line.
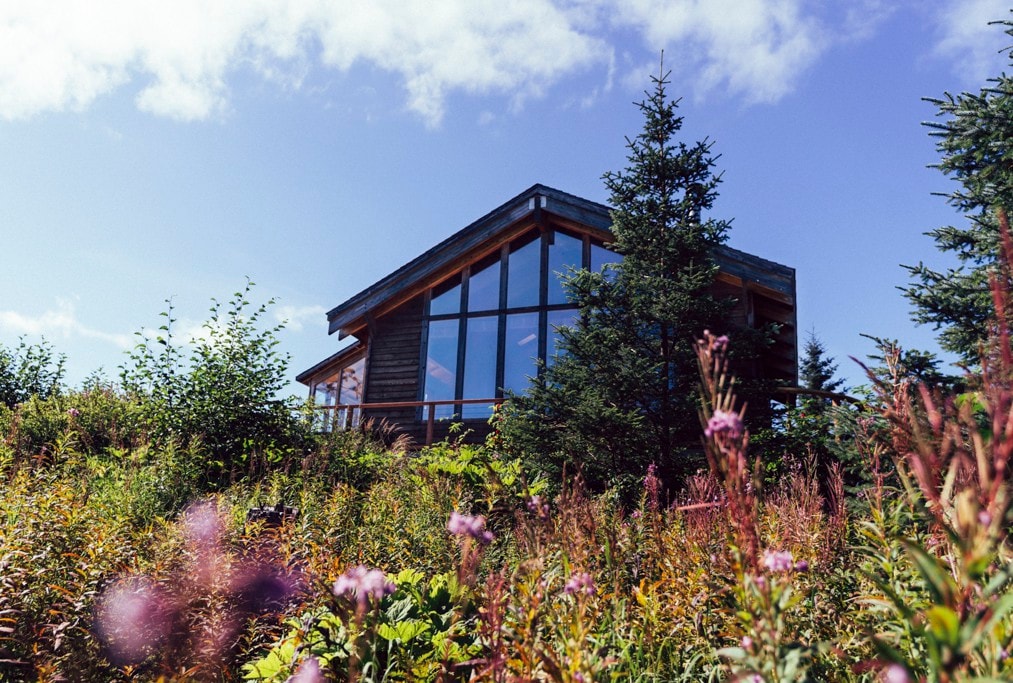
(543, 296)
(501, 322)
(462, 333)
(423, 354)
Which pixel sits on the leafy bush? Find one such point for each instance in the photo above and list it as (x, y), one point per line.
(225, 393)
(29, 370)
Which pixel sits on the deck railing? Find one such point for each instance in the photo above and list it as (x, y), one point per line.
(349, 415)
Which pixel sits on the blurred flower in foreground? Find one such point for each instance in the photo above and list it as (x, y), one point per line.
(470, 527)
(778, 561)
(133, 617)
(308, 672)
(363, 585)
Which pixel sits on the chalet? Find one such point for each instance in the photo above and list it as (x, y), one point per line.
(444, 337)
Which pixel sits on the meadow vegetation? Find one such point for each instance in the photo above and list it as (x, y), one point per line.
(128, 552)
(184, 524)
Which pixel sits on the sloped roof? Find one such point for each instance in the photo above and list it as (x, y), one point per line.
(532, 206)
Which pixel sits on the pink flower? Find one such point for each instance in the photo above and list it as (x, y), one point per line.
(778, 561)
(895, 673)
(579, 583)
(308, 672)
(724, 423)
(470, 527)
(747, 643)
(133, 617)
(363, 585)
(73, 412)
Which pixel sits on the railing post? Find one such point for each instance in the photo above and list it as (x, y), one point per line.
(430, 424)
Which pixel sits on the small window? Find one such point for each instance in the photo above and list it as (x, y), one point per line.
(524, 272)
(446, 299)
(483, 285)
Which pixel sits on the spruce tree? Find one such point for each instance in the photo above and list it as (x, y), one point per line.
(622, 392)
(975, 140)
(816, 372)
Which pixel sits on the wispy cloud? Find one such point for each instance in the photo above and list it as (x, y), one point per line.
(61, 323)
(969, 42)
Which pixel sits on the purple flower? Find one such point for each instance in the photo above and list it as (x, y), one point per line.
(801, 566)
(722, 422)
(778, 561)
(538, 507)
(469, 526)
(579, 583)
(363, 585)
(133, 617)
(308, 672)
(73, 412)
(895, 673)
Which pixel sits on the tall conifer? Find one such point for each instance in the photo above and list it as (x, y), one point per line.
(975, 139)
(622, 392)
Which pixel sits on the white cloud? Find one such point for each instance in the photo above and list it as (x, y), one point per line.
(63, 55)
(183, 56)
(968, 40)
(755, 49)
(61, 323)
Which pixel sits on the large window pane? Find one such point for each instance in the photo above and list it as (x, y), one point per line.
(446, 297)
(441, 364)
(600, 257)
(480, 364)
(524, 273)
(557, 319)
(483, 286)
(565, 252)
(521, 351)
(352, 382)
(325, 393)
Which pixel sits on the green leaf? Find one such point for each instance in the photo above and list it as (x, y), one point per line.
(945, 625)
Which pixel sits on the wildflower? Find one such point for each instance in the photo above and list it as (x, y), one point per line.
(801, 566)
(363, 585)
(469, 526)
(726, 423)
(203, 525)
(895, 673)
(778, 561)
(133, 617)
(308, 672)
(579, 583)
(73, 412)
(538, 507)
(747, 643)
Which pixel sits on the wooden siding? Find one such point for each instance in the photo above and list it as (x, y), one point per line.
(392, 364)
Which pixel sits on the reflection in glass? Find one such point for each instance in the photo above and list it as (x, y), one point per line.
(565, 252)
(483, 285)
(524, 271)
(557, 319)
(480, 364)
(441, 364)
(446, 297)
(521, 351)
(325, 392)
(351, 382)
(600, 256)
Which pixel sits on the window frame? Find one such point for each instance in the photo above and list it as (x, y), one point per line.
(546, 238)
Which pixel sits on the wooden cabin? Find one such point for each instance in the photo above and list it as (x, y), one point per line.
(441, 339)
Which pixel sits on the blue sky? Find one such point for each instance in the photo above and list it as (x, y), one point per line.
(151, 150)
